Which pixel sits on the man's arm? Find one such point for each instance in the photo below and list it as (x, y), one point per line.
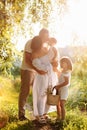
(28, 58)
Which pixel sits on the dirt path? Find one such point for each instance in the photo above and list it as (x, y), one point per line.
(47, 126)
(43, 127)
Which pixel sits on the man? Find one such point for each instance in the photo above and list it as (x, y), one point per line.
(28, 73)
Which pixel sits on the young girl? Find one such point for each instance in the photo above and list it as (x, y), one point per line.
(41, 60)
(64, 83)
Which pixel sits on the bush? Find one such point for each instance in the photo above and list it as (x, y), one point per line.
(77, 94)
(3, 119)
(76, 121)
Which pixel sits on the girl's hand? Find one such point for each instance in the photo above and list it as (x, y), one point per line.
(54, 88)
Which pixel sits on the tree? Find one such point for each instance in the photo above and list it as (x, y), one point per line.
(14, 14)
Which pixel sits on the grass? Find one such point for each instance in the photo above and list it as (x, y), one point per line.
(77, 94)
(9, 92)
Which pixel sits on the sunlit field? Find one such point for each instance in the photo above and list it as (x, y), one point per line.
(76, 106)
(20, 21)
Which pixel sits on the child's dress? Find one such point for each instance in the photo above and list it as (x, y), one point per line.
(63, 91)
(41, 83)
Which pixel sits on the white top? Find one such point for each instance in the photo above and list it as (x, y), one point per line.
(28, 49)
(43, 63)
(66, 74)
(63, 91)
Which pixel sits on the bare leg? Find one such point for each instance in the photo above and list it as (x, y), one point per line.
(62, 104)
(59, 110)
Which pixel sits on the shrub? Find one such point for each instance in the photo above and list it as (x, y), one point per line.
(3, 119)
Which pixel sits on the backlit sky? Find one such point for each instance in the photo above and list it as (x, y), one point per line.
(72, 25)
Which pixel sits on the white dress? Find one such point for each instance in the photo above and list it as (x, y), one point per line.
(41, 83)
(63, 91)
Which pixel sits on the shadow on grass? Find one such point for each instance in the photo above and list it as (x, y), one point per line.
(33, 125)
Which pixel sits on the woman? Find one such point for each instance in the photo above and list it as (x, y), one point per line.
(41, 60)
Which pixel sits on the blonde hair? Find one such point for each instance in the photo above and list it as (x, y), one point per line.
(68, 61)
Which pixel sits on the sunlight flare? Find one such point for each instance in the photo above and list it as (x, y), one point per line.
(64, 28)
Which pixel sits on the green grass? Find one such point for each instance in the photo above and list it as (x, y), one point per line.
(77, 94)
(9, 92)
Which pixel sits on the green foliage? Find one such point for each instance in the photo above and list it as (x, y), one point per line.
(17, 84)
(17, 18)
(10, 110)
(8, 56)
(3, 116)
(80, 66)
(77, 90)
(19, 126)
(75, 119)
(77, 94)
(7, 49)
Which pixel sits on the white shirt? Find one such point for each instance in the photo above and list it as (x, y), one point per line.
(28, 49)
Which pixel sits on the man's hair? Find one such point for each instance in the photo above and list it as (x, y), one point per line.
(43, 31)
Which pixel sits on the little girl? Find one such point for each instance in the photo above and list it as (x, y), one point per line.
(64, 83)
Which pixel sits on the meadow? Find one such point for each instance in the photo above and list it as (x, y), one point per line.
(76, 106)
(21, 20)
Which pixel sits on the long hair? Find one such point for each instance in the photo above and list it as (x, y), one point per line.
(36, 43)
